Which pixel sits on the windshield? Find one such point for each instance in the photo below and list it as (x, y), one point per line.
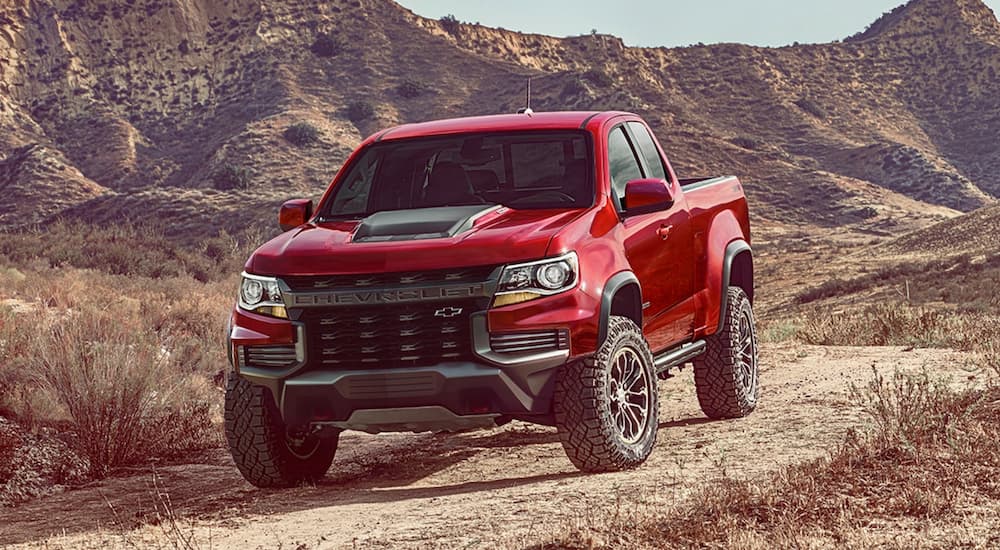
(528, 170)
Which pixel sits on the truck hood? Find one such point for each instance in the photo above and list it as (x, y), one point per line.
(412, 240)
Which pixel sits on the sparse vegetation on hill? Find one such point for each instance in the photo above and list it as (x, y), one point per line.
(327, 45)
(137, 104)
(139, 251)
(231, 176)
(302, 134)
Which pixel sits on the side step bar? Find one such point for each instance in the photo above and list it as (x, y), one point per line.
(678, 356)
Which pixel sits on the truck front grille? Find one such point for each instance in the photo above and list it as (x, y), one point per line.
(523, 342)
(390, 336)
(391, 280)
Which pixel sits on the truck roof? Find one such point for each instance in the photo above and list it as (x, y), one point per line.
(563, 120)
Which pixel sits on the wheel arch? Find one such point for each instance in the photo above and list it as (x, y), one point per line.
(622, 295)
(737, 270)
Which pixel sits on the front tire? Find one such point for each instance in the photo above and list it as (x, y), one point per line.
(607, 407)
(726, 376)
(264, 451)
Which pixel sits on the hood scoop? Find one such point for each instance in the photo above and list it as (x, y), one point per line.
(420, 224)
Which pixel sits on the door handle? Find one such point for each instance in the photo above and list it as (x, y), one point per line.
(664, 231)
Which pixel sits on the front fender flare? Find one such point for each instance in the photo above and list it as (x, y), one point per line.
(614, 284)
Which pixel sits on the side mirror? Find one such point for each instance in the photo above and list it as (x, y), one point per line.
(647, 195)
(295, 213)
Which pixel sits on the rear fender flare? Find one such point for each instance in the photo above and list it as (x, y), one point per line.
(733, 250)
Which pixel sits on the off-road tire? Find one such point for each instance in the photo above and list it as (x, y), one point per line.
(586, 410)
(259, 442)
(726, 376)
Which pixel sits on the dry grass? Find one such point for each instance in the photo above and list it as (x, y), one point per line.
(964, 281)
(900, 324)
(930, 456)
(141, 251)
(117, 367)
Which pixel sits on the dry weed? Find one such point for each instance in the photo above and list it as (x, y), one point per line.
(932, 454)
(896, 324)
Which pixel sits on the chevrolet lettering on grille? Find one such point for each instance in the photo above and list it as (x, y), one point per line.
(351, 298)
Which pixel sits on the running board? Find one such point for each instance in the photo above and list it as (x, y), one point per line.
(678, 356)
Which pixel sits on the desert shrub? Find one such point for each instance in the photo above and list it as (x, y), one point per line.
(327, 45)
(598, 77)
(231, 176)
(14, 343)
(410, 89)
(929, 448)
(125, 250)
(10, 441)
(749, 143)
(450, 24)
(302, 134)
(360, 110)
(777, 332)
(573, 88)
(124, 402)
(898, 324)
(958, 280)
(811, 107)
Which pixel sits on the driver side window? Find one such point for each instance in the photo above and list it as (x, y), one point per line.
(622, 164)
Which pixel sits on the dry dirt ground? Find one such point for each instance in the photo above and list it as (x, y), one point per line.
(507, 487)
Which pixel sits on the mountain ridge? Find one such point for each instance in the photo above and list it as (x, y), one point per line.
(161, 98)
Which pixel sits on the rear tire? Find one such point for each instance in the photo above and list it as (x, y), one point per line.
(726, 376)
(607, 407)
(264, 452)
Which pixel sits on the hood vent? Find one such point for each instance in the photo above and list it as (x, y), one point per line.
(421, 223)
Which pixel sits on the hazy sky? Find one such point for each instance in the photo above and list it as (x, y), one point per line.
(674, 22)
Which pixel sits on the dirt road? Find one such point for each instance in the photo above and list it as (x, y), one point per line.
(503, 487)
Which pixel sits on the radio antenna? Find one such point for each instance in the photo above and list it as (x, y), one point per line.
(527, 101)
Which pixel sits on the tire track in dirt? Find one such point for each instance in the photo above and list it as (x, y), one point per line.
(484, 488)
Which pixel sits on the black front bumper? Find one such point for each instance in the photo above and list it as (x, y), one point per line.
(468, 391)
(450, 395)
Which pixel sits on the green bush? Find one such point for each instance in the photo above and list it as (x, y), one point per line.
(573, 88)
(450, 24)
(811, 107)
(232, 176)
(327, 45)
(409, 89)
(360, 110)
(302, 134)
(748, 143)
(598, 77)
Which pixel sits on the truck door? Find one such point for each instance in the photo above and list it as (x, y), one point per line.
(658, 245)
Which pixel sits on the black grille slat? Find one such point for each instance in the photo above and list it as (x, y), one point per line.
(389, 335)
(520, 342)
(268, 356)
(390, 280)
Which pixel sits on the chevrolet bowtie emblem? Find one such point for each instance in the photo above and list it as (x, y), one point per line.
(447, 312)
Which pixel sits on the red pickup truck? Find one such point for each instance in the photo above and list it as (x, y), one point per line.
(458, 274)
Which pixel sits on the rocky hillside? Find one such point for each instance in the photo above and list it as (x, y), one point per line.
(205, 113)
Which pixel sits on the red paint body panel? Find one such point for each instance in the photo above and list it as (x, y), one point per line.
(676, 254)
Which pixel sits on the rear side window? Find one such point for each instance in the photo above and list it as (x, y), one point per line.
(622, 163)
(647, 148)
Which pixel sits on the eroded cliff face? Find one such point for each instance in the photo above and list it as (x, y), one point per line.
(191, 99)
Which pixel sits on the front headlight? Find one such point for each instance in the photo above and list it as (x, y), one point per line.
(262, 295)
(525, 282)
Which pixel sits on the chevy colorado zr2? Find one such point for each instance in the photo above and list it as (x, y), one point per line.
(458, 274)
